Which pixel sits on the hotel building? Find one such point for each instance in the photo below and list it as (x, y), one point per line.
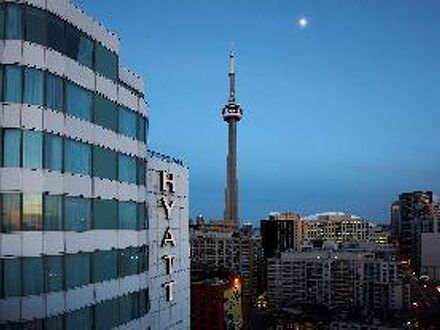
(75, 244)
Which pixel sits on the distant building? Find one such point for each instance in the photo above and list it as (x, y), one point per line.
(355, 277)
(335, 226)
(281, 232)
(430, 255)
(417, 214)
(379, 234)
(217, 303)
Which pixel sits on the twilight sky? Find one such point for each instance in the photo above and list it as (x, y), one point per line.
(341, 116)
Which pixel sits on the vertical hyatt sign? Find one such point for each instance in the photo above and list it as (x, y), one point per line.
(167, 201)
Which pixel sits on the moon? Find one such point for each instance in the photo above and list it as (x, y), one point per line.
(303, 22)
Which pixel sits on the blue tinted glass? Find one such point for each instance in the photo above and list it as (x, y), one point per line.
(127, 215)
(77, 157)
(107, 314)
(127, 169)
(128, 261)
(10, 212)
(2, 22)
(105, 212)
(80, 319)
(53, 152)
(53, 273)
(55, 33)
(106, 62)
(105, 113)
(32, 149)
(35, 26)
(54, 92)
(12, 84)
(142, 222)
(33, 86)
(32, 213)
(54, 323)
(127, 122)
(11, 147)
(14, 22)
(127, 308)
(77, 270)
(140, 171)
(53, 212)
(77, 214)
(12, 277)
(33, 279)
(105, 265)
(105, 163)
(78, 102)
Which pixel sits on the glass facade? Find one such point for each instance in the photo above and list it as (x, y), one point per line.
(32, 149)
(58, 212)
(46, 89)
(14, 22)
(127, 169)
(53, 152)
(77, 157)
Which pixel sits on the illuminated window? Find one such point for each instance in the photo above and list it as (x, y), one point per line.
(10, 212)
(32, 212)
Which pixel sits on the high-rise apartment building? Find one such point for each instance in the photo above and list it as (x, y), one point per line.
(75, 244)
(416, 213)
(335, 226)
(281, 232)
(343, 279)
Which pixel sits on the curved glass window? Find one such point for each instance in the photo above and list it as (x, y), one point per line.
(78, 101)
(11, 147)
(127, 169)
(128, 261)
(12, 85)
(14, 22)
(10, 212)
(33, 277)
(80, 319)
(35, 27)
(32, 149)
(106, 113)
(79, 46)
(77, 214)
(53, 212)
(53, 152)
(77, 268)
(140, 171)
(53, 273)
(12, 276)
(127, 215)
(32, 212)
(142, 222)
(106, 62)
(105, 163)
(105, 265)
(127, 122)
(54, 92)
(2, 22)
(55, 33)
(77, 157)
(33, 86)
(105, 214)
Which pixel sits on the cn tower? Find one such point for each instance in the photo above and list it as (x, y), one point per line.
(232, 114)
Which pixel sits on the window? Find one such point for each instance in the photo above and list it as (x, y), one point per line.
(53, 212)
(127, 169)
(10, 212)
(80, 319)
(106, 62)
(142, 129)
(128, 308)
(53, 152)
(105, 265)
(79, 47)
(140, 171)
(127, 215)
(14, 22)
(53, 273)
(77, 270)
(105, 214)
(78, 102)
(54, 92)
(107, 315)
(32, 212)
(55, 33)
(12, 277)
(127, 122)
(32, 149)
(33, 279)
(77, 157)
(12, 87)
(142, 220)
(144, 303)
(128, 262)
(105, 163)
(2, 23)
(54, 323)
(35, 25)
(77, 213)
(11, 147)
(105, 113)
(33, 86)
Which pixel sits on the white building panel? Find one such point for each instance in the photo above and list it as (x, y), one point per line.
(33, 55)
(127, 238)
(38, 3)
(80, 74)
(127, 191)
(127, 98)
(106, 290)
(107, 87)
(57, 7)
(53, 122)
(55, 62)
(55, 303)
(33, 307)
(143, 108)
(11, 53)
(79, 297)
(105, 188)
(11, 115)
(76, 242)
(31, 117)
(53, 242)
(10, 309)
(127, 145)
(32, 243)
(77, 185)
(10, 179)
(11, 244)
(131, 79)
(33, 181)
(129, 284)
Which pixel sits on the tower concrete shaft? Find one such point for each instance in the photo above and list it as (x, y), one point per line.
(232, 114)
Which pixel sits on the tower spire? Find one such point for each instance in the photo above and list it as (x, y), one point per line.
(232, 114)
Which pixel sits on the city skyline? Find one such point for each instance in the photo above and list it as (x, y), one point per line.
(347, 131)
